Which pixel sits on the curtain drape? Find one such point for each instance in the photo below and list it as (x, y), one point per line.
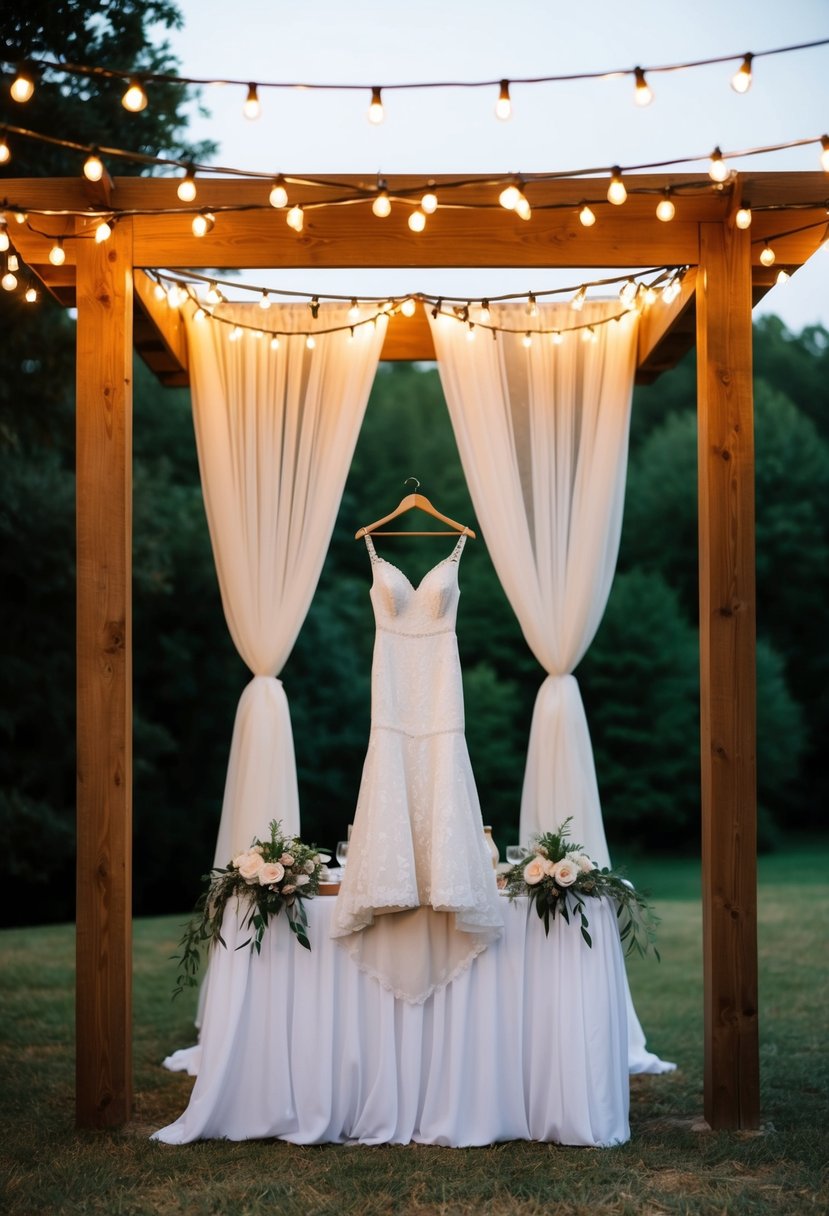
(276, 424)
(542, 432)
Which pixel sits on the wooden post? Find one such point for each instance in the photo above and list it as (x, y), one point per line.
(727, 676)
(104, 657)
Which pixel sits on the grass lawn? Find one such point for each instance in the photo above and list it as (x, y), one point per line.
(669, 1166)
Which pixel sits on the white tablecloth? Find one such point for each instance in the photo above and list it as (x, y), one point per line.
(529, 1044)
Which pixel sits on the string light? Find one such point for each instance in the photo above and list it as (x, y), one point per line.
(824, 153)
(203, 223)
(213, 294)
(264, 301)
(782, 276)
(408, 307)
(589, 334)
(485, 312)
(199, 315)
(577, 302)
(527, 340)
(9, 281)
(20, 217)
(57, 254)
(470, 333)
(628, 293)
(93, 167)
(5, 150)
(176, 296)
(532, 306)
(671, 290)
(556, 337)
(717, 169)
(31, 295)
(251, 107)
(522, 207)
(429, 202)
(159, 292)
(23, 85)
(382, 203)
(315, 307)
(235, 334)
(642, 92)
(416, 221)
(135, 97)
(296, 219)
(503, 106)
(586, 217)
(4, 236)
(767, 254)
(354, 311)
(665, 209)
(509, 196)
(310, 342)
(616, 192)
(187, 186)
(743, 217)
(103, 232)
(741, 80)
(376, 113)
(274, 343)
(278, 196)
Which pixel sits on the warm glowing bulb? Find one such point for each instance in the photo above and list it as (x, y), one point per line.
(527, 340)
(12, 263)
(9, 281)
(274, 343)
(103, 232)
(741, 80)
(743, 217)
(93, 167)
(187, 186)
(642, 92)
(278, 196)
(235, 334)
(503, 106)
(429, 203)
(375, 113)
(509, 196)
(556, 338)
(382, 204)
(532, 306)
(5, 151)
(522, 208)
(199, 314)
(586, 217)
(257, 334)
(665, 209)
(264, 301)
(670, 291)
(650, 296)
(768, 255)
(408, 307)
(616, 192)
(718, 169)
(23, 85)
(417, 221)
(782, 276)
(135, 98)
(296, 219)
(628, 292)
(159, 292)
(310, 342)
(577, 302)
(176, 295)
(251, 107)
(484, 313)
(824, 155)
(57, 254)
(203, 223)
(213, 295)
(354, 311)
(19, 217)
(590, 334)
(31, 295)
(4, 237)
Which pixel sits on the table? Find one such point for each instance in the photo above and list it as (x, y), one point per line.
(530, 1043)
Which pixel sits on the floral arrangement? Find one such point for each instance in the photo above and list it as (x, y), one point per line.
(557, 876)
(273, 874)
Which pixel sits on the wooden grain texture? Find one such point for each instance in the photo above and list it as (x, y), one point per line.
(727, 677)
(104, 664)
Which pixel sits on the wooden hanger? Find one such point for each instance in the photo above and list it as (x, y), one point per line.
(408, 504)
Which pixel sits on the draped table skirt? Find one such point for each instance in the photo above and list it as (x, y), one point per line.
(529, 1043)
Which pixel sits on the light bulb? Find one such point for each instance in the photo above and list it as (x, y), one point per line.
(509, 196)
(213, 295)
(278, 196)
(485, 313)
(93, 167)
(4, 237)
(650, 296)
(532, 306)
(670, 291)
(23, 85)
(274, 343)
(782, 276)
(251, 107)
(585, 334)
(527, 340)
(417, 221)
(429, 203)
(257, 334)
(375, 113)
(5, 151)
(628, 292)
(470, 333)
(616, 192)
(310, 342)
(31, 295)
(741, 80)
(264, 301)
(20, 217)
(408, 307)
(642, 92)
(743, 217)
(354, 311)
(159, 292)
(12, 263)
(556, 338)
(135, 98)
(665, 209)
(824, 154)
(203, 223)
(767, 255)
(9, 281)
(577, 302)
(586, 217)
(176, 295)
(382, 204)
(296, 219)
(503, 106)
(717, 169)
(235, 334)
(522, 208)
(199, 314)
(57, 254)
(103, 232)
(187, 186)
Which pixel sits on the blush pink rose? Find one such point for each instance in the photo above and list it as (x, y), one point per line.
(534, 871)
(567, 871)
(270, 872)
(249, 864)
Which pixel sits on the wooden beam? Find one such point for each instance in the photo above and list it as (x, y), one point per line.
(727, 676)
(409, 338)
(104, 674)
(159, 334)
(659, 328)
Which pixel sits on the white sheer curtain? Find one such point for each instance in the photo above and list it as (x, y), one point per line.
(543, 436)
(276, 424)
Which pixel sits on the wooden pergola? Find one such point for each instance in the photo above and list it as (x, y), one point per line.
(118, 309)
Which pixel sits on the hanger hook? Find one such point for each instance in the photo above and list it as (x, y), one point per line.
(415, 480)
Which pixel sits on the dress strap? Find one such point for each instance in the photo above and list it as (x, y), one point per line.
(372, 552)
(455, 555)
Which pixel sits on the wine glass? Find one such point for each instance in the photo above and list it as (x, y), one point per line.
(342, 853)
(515, 854)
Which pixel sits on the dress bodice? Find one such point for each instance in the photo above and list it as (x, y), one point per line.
(422, 611)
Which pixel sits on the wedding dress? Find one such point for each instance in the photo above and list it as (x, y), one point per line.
(418, 900)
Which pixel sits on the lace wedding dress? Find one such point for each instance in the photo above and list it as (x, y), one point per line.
(418, 899)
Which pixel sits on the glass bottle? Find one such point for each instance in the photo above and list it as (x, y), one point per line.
(492, 846)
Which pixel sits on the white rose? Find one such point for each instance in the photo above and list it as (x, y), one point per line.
(249, 864)
(309, 867)
(302, 879)
(287, 859)
(585, 863)
(534, 871)
(270, 872)
(566, 872)
(549, 867)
